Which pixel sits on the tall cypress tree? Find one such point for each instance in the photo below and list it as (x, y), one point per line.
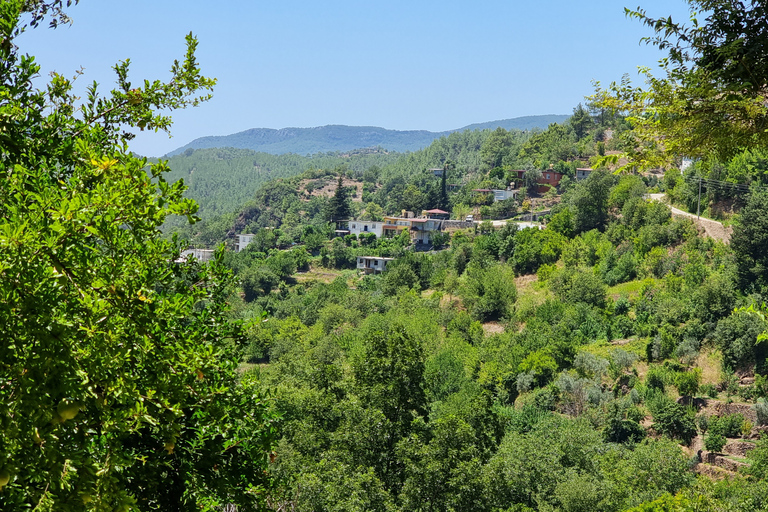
(339, 207)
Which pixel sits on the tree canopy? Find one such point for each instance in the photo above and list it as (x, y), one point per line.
(118, 387)
(710, 97)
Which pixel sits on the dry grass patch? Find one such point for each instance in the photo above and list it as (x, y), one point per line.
(321, 274)
(490, 328)
(709, 362)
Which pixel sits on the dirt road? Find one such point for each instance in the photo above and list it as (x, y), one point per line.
(711, 228)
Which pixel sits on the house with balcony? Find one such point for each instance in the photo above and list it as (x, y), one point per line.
(421, 230)
(372, 264)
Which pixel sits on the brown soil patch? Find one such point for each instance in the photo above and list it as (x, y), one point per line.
(492, 328)
(329, 186)
(523, 283)
(714, 472)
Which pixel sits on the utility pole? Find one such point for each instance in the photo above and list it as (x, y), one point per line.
(698, 205)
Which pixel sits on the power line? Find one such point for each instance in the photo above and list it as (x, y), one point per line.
(718, 184)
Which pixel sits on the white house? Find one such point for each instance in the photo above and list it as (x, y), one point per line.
(358, 227)
(503, 195)
(201, 255)
(372, 264)
(243, 241)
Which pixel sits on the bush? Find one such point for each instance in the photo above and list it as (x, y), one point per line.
(656, 378)
(714, 442)
(673, 420)
(709, 390)
(759, 458)
(761, 409)
(729, 425)
(623, 431)
(687, 383)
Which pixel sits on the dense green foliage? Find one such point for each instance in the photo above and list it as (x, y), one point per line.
(396, 399)
(118, 383)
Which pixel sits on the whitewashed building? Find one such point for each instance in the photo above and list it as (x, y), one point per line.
(358, 227)
(201, 255)
(372, 264)
(243, 241)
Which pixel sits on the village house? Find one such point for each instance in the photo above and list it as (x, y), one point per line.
(372, 264)
(243, 241)
(202, 255)
(583, 173)
(421, 229)
(548, 179)
(436, 214)
(358, 227)
(498, 195)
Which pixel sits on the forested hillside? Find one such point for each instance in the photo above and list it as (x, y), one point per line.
(478, 159)
(323, 139)
(580, 367)
(221, 180)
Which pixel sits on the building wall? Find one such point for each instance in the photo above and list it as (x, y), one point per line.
(357, 227)
(243, 241)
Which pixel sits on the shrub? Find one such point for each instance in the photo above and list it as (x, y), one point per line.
(588, 365)
(623, 431)
(761, 409)
(729, 425)
(655, 378)
(673, 420)
(687, 383)
(759, 458)
(709, 390)
(621, 306)
(714, 442)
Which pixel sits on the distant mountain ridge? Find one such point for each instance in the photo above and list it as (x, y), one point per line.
(328, 138)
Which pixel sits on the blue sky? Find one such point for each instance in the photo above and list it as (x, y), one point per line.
(402, 65)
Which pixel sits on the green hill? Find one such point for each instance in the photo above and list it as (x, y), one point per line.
(307, 141)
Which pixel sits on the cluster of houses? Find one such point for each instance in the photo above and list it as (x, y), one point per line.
(421, 229)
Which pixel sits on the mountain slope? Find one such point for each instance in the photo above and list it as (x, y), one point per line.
(323, 139)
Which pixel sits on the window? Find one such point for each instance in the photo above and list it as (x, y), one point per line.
(547, 176)
(375, 263)
(365, 228)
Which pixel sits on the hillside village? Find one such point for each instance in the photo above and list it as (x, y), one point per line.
(568, 318)
(619, 296)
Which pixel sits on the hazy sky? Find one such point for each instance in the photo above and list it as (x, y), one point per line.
(402, 65)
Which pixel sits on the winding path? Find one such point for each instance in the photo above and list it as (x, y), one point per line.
(712, 228)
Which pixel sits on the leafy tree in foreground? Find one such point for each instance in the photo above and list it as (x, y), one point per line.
(710, 97)
(118, 388)
(750, 242)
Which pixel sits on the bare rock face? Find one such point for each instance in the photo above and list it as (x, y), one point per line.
(716, 459)
(738, 448)
(721, 409)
